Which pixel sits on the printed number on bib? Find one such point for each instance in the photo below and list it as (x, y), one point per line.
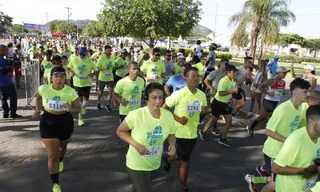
(135, 103)
(83, 77)
(310, 183)
(107, 74)
(56, 105)
(193, 107)
(154, 151)
(278, 93)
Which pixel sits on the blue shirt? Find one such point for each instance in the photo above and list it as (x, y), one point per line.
(5, 79)
(273, 66)
(176, 82)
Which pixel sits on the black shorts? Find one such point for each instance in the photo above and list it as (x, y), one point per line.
(122, 117)
(269, 106)
(185, 148)
(83, 91)
(219, 108)
(56, 126)
(269, 162)
(116, 79)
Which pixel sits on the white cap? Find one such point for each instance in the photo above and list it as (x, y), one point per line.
(181, 57)
(310, 67)
(282, 69)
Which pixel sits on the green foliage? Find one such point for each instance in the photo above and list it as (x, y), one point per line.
(149, 19)
(63, 26)
(240, 37)
(313, 45)
(292, 58)
(5, 22)
(286, 39)
(94, 29)
(17, 29)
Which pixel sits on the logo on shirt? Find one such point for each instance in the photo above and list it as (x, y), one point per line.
(155, 69)
(135, 91)
(48, 65)
(155, 135)
(56, 98)
(294, 124)
(109, 64)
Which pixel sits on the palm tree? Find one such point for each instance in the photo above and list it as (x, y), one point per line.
(262, 15)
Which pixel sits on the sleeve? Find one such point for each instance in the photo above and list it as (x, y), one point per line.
(130, 119)
(222, 86)
(74, 95)
(99, 62)
(116, 61)
(211, 76)
(173, 99)
(118, 89)
(275, 119)
(290, 149)
(93, 66)
(169, 82)
(144, 68)
(204, 100)
(40, 90)
(70, 65)
(163, 68)
(173, 127)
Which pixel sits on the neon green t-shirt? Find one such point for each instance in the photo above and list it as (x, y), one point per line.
(46, 64)
(177, 69)
(303, 121)
(151, 133)
(284, 121)
(150, 69)
(32, 52)
(82, 69)
(188, 105)
(55, 99)
(316, 188)
(104, 62)
(95, 57)
(130, 91)
(201, 69)
(298, 151)
(124, 70)
(73, 57)
(225, 84)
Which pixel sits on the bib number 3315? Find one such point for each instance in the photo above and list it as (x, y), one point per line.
(56, 105)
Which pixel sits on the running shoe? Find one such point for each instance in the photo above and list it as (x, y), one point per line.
(224, 142)
(261, 171)
(250, 130)
(61, 166)
(216, 133)
(5, 116)
(166, 164)
(83, 111)
(203, 136)
(249, 180)
(15, 116)
(108, 108)
(80, 122)
(56, 188)
(98, 106)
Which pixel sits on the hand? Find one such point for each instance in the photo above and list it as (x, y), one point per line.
(91, 75)
(124, 102)
(71, 74)
(67, 106)
(171, 150)
(141, 149)
(36, 114)
(271, 94)
(310, 171)
(234, 90)
(183, 120)
(213, 91)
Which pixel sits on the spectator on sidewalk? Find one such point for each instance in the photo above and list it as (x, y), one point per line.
(7, 87)
(273, 66)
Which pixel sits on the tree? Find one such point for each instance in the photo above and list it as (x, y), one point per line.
(285, 40)
(63, 26)
(260, 15)
(149, 19)
(94, 29)
(5, 22)
(240, 38)
(17, 28)
(313, 45)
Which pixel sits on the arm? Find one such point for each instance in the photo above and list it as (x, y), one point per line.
(264, 85)
(224, 93)
(208, 84)
(75, 106)
(181, 120)
(167, 90)
(275, 135)
(119, 99)
(36, 113)
(313, 83)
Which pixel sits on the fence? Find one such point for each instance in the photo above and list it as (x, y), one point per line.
(32, 79)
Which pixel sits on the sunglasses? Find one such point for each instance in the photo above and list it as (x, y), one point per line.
(169, 55)
(157, 55)
(55, 62)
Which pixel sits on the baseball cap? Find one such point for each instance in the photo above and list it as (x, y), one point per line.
(56, 58)
(180, 57)
(310, 67)
(231, 68)
(124, 50)
(276, 57)
(282, 69)
(83, 51)
(186, 65)
(58, 70)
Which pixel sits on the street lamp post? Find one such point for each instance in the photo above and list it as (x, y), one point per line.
(215, 19)
(68, 8)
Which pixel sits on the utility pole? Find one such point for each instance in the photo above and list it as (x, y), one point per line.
(46, 17)
(215, 19)
(68, 12)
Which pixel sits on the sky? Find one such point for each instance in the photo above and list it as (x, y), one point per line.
(34, 11)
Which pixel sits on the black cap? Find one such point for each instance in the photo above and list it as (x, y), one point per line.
(231, 68)
(58, 70)
(49, 52)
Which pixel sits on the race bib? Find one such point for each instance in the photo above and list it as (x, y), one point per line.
(193, 107)
(135, 103)
(56, 105)
(310, 183)
(107, 74)
(154, 151)
(278, 93)
(153, 76)
(83, 77)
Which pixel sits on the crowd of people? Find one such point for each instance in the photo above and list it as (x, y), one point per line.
(162, 97)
